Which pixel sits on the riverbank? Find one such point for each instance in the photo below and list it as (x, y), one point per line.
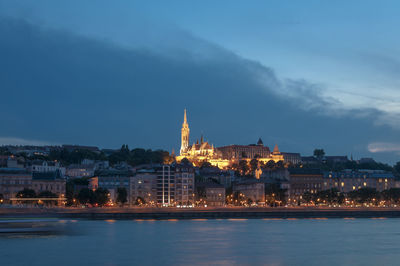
(201, 213)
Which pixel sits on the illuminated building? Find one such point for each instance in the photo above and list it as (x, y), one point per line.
(144, 186)
(223, 157)
(215, 195)
(304, 180)
(251, 189)
(349, 180)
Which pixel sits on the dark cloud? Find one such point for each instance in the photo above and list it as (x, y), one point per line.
(61, 88)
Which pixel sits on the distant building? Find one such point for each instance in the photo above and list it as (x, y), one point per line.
(114, 179)
(41, 166)
(223, 177)
(15, 162)
(3, 161)
(304, 180)
(30, 150)
(97, 165)
(215, 195)
(349, 180)
(184, 184)
(165, 185)
(273, 175)
(78, 171)
(291, 157)
(13, 180)
(49, 181)
(252, 189)
(309, 160)
(336, 159)
(144, 185)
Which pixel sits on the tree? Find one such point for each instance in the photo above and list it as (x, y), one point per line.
(280, 165)
(101, 196)
(396, 169)
(319, 153)
(274, 194)
(139, 201)
(206, 164)
(365, 195)
(122, 195)
(26, 193)
(4, 151)
(86, 196)
(253, 165)
(329, 196)
(307, 197)
(391, 195)
(243, 167)
(48, 194)
(270, 164)
(239, 198)
(185, 161)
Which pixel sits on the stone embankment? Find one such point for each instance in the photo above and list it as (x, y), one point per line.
(201, 213)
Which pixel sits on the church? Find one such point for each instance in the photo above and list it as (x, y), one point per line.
(222, 157)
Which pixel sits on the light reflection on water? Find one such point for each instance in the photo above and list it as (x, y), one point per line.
(218, 242)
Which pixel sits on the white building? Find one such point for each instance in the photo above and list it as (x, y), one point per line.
(39, 166)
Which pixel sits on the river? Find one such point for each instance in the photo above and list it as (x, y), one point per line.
(212, 242)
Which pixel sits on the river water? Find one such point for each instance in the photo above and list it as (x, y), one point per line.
(212, 242)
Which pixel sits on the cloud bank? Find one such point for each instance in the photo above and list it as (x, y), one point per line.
(19, 141)
(378, 147)
(65, 88)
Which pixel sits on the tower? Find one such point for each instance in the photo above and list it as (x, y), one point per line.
(184, 135)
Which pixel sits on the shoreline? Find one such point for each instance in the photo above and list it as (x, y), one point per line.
(199, 213)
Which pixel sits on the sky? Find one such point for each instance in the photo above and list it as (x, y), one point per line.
(300, 74)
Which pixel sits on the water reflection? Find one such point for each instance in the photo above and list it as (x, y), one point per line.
(216, 242)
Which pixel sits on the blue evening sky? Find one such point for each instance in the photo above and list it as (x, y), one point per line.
(308, 73)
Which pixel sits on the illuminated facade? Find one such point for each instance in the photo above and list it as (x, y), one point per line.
(223, 157)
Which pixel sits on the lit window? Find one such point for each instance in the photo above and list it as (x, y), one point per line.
(354, 188)
(365, 184)
(342, 184)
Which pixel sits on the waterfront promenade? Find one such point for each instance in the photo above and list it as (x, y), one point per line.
(202, 213)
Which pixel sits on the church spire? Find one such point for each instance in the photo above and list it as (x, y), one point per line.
(184, 118)
(184, 135)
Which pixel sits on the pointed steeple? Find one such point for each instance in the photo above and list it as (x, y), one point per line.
(276, 150)
(260, 142)
(184, 135)
(184, 118)
(201, 139)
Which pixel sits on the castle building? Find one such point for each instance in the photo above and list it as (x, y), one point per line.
(222, 157)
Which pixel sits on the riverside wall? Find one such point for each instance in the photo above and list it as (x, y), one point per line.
(237, 213)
